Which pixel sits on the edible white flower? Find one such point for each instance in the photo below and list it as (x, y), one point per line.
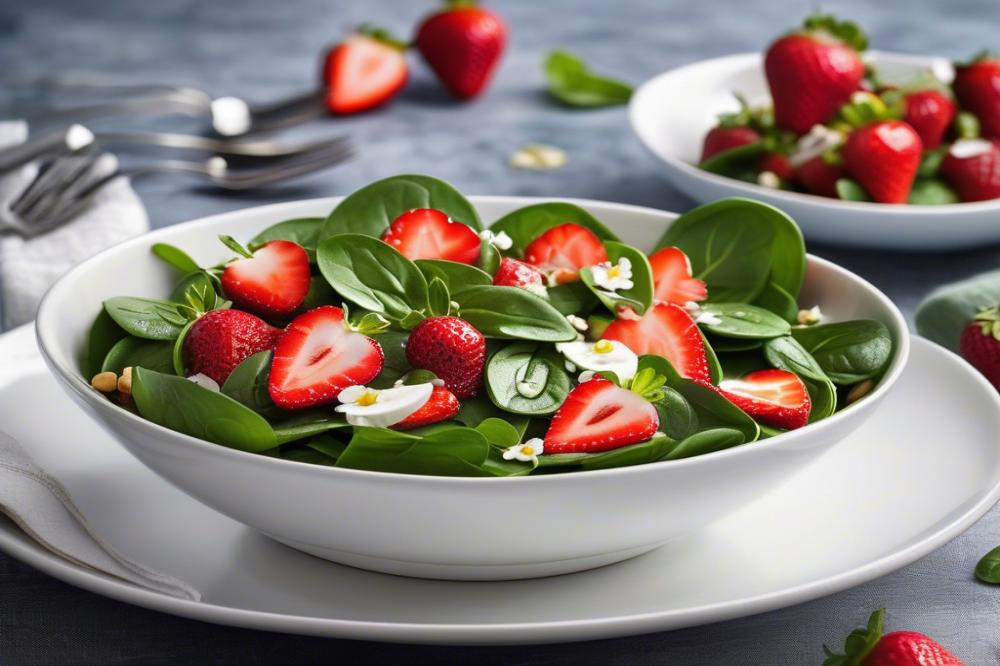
(365, 406)
(700, 316)
(603, 355)
(769, 179)
(204, 381)
(613, 277)
(526, 451)
(966, 148)
(579, 323)
(819, 139)
(536, 289)
(811, 316)
(501, 240)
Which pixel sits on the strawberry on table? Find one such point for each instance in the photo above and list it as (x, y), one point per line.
(272, 280)
(515, 273)
(364, 71)
(427, 233)
(977, 87)
(599, 415)
(929, 113)
(220, 340)
(722, 138)
(666, 330)
(317, 356)
(441, 406)
(867, 646)
(813, 71)
(777, 398)
(452, 349)
(462, 43)
(563, 250)
(972, 166)
(672, 279)
(883, 157)
(980, 344)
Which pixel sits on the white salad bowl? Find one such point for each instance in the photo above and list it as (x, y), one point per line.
(672, 112)
(443, 527)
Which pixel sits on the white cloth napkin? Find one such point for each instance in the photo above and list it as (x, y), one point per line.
(29, 267)
(40, 506)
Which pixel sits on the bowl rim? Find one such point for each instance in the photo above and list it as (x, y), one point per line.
(739, 61)
(48, 341)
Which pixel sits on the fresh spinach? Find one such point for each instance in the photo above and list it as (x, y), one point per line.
(851, 190)
(734, 161)
(524, 379)
(148, 318)
(457, 276)
(678, 419)
(498, 432)
(706, 441)
(304, 231)
(438, 298)
(197, 289)
(526, 224)
(247, 384)
(640, 296)
(988, 568)
(572, 298)
(932, 192)
(849, 351)
(394, 365)
(572, 83)
(320, 293)
(103, 335)
(742, 320)
(135, 352)
(634, 454)
(455, 451)
(305, 425)
(512, 312)
(175, 257)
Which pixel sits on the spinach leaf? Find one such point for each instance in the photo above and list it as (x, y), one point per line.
(932, 192)
(475, 410)
(394, 365)
(822, 398)
(572, 298)
(327, 445)
(304, 231)
(706, 441)
(247, 384)
(742, 320)
(438, 298)
(455, 451)
(307, 454)
(498, 432)
(786, 353)
(489, 257)
(103, 335)
(372, 274)
(198, 287)
(777, 300)
(634, 454)
(944, 314)
(714, 366)
(146, 317)
(136, 352)
(307, 424)
(573, 84)
(733, 162)
(183, 406)
(320, 293)
(640, 296)
(526, 224)
(851, 190)
(678, 419)
(729, 345)
(373, 208)
(512, 312)
(524, 379)
(457, 276)
(178, 350)
(988, 568)
(175, 257)
(849, 351)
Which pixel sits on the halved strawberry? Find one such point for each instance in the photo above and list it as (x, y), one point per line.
(777, 398)
(666, 330)
(672, 280)
(514, 273)
(318, 356)
(598, 415)
(442, 405)
(564, 249)
(274, 281)
(363, 71)
(427, 233)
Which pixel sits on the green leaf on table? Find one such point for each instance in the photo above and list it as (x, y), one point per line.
(457, 276)
(176, 258)
(945, 312)
(742, 320)
(304, 231)
(640, 296)
(148, 318)
(988, 568)
(572, 83)
(137, 352)
(103, 335)
(848, 351)
(512, 312)
(454, 451)
(526, 379)
(932, 192)
(528, 223)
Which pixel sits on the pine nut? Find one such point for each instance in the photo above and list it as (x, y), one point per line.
(125, 382)
(860, 390)
(105, 382)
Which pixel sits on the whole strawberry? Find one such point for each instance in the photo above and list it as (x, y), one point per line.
(452, 349)
(462, 44)
(819, 176)
(977, 86)
(868, 647)
(222, 339)
(883, 156)
(972, 167)
(813, 71)
(980, 344)
(722, 138)
(929, 113)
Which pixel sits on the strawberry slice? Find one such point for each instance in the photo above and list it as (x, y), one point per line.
(514, 273)
(666, 330)
(564, 249)
(273, 281)
(672, 280)
(441, 406)
(317, 356)
(427, 233)
(777, 398)
(599, 415)
(362, 72)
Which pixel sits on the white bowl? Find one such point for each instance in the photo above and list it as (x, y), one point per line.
(438, 527)
(671, 113)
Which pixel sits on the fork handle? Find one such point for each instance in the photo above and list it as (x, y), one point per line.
(71, 139)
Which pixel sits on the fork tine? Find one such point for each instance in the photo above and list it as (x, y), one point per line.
(47, 187)
(286, 170)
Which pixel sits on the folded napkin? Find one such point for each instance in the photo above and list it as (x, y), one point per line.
(29, 267)
(40, 506)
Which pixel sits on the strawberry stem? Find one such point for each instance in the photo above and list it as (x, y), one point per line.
(382, 35)
(648, 384)
(859, 642)
(234, 245)
(847, 32)
(967, 125)
(989, 321)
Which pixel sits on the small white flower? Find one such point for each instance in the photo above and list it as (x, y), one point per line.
(365, 406)
(819, 139)
(537, 289)
(700, 316)
(501, 240)
(204, 381)
(966, 148)
(811, 316)
(526, 451)
(586, 376)
(769, 179)
(613, 277)
(603, 355)
(579, 323)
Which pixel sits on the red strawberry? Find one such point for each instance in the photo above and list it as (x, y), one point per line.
(318, 356)
(722, 138)
(973, 169)
(427, 233)
(868, 647)
(672, 280)
(364, 71)
(452, 349)
(980, 344)
(813, 71)
(598, 415)
(462, 44)
(273, 281)
(819, 177)
(564, 249)
(778, 164)
(666, 330)
(514, 273)
(222, 339)
(441, 406)
(929, 113)
(777, 398)
(883, 157)
(977, 86)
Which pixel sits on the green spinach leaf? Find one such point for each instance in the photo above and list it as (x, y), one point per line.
(303, 231)
(640, 296)
(146, 317)
(104, 334)
(455, 451)
(137, 352)
(932, 192)
(734, 162)
(457, 276)
(247, 384)
(573, 84)
(512, 312)
(175, 257)
(526, 224)
(524, 379)
(742, 320)
(988, 568)
(706, 441)
(849, 351)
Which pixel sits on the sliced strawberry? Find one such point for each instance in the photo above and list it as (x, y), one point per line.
(317, 357)
(564, 249)
(427, 233)
(777, 398)
(363, 72)
(514, 273)
(599, 415)
(222, 339)
(441, 406)
(666, 330)
(274, 281)
(672, 280)
(722, 138)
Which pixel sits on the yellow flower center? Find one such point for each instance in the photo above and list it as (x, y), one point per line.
(527, 450)
(614, 271)
(369, 397)
(603, 347)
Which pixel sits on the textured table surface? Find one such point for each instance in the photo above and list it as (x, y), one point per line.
(262, 50)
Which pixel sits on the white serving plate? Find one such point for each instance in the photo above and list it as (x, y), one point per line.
(816, 535)
(671, 113)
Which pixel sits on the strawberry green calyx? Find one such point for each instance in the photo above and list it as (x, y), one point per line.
(859, 642)
(847, 32)
(459, 4)
(370, 323)
(967, 125)
(760, 119)
(648, 385)
(866, 107)
(988, 320)
(235, 246)
(981, 56)
(383, 36)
